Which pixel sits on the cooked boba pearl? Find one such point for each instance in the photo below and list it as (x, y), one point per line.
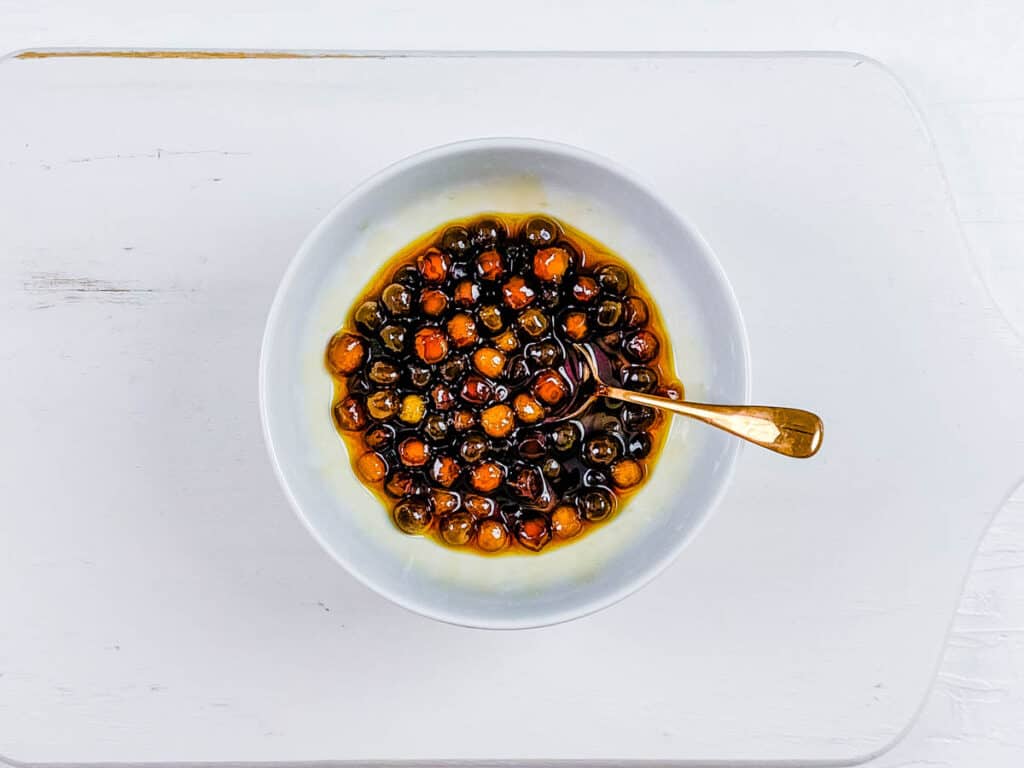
(479, 506)
(613, 279)
(564, 436)
(639, 378)
(627, 473)
(596, 504)
(383, 404)
(431, 345)
(517, 293)
(640, 445)
(384, 372)
(604, 422)
(463, 420)
(575, 325)
(540, 232)
(456, 529)
(486, 233)
(417, 375)
(490, 266)
(585, 289)
(401, 483)
(412, 409)
(543, 354)
(642, 346)
(490, 318)
(517, 371)
(551, 468)
(612, 341)
(566, 521)
(445, 471)
(455, 241)
(436, 427)
(498, 420)
(550, 296)
(369, 316)
(413, 452)
(608, 314)
(527, 483)
(473, 447)
(507, 341)
(433, 265)
(398, 299)
(467, 293)
(476, 390)
(393, 337)
(379, 437)
(533, 532)
(533, 322)
(635, 312)
(442, 397)
(528, 409)
(489, 361)
(407, 275)
(358, 384)
(350, 414)
(600, 450)
(491, 535)
(550, 387)
(551, 264)
(433, 302)
(452, 369)
(444, 502)
(637, 418)
(345, 353)
(531, 445)
(412, 516)
(462, 330)
(486, 476)
(372, 467)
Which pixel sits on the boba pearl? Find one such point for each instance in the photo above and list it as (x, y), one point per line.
(457, 529)
(412, 516)
(596, 504)
(491, 535)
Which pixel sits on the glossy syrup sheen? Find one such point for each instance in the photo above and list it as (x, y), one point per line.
(591, 256)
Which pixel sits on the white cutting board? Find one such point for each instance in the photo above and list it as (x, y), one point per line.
(159, 602)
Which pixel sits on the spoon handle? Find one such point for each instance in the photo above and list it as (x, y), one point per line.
(789, 431)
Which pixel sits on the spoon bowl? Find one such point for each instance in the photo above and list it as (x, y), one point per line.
(790, 432)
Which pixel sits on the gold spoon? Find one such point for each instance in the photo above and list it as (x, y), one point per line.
(789, 431)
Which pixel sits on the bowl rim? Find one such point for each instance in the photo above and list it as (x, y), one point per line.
(539, 618)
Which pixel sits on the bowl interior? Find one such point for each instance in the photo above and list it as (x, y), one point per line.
(338, 260)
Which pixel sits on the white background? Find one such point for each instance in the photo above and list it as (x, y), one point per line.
(964, 63)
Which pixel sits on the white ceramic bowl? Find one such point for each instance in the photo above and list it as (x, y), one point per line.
(338, 259)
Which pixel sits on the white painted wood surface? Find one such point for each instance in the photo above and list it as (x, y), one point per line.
(961, 59)
(814, 602)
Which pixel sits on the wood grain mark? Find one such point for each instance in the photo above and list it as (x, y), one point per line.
(158, 154)
(53, 288)
(190, 54)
